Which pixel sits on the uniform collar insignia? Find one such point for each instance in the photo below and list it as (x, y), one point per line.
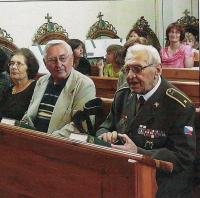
(156, 104)
(124, 117)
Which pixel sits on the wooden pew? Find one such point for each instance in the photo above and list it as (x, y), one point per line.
(106, 106)
(106, 88)
(169, 73)
(35, 164)
(178, 74)
(94, 70)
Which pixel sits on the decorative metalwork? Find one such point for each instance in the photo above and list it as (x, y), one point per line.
(4, 34)
(190, 24)
(102, 28)
(6, 42)
(188, 20)
(49, 31)
(143, 26)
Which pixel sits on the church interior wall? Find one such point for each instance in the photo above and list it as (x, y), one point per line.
(22, 19)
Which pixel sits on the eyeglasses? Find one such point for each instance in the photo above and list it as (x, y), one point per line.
(136, 69)
(16, 64)
(54, 60)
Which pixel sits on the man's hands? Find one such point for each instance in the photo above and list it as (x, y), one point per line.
(128, 146)
(111, 137)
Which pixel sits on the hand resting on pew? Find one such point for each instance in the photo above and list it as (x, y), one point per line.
(116, 138)
(129, 145)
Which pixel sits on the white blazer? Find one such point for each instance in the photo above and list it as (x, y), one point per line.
(78, 90)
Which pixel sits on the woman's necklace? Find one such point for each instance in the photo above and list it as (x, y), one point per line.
(16, 90)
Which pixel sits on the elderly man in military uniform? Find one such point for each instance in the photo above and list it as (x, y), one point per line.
(153, 118)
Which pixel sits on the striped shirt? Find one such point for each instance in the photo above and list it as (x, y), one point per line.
(47, 104)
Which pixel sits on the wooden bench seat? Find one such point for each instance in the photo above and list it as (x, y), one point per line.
(106, 87)
(35, 164)
(178, 74)
(169, 73)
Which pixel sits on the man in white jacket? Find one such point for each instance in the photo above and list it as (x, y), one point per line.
(60, 94)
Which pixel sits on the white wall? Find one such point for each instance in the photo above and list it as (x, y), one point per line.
(171, 10)
(22, 19)
(181, 5)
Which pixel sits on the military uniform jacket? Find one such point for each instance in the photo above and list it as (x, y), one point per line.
(163, 127)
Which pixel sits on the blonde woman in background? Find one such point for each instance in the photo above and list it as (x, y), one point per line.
(113, 58)
(191, 40)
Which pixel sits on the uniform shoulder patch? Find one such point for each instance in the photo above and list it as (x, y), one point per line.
(178, 96)
(122, 88)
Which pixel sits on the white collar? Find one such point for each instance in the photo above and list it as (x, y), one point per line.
(151, 92)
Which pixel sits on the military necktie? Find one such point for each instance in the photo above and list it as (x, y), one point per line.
(141, 102)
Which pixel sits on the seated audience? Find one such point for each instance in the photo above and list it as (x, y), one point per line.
(114, 60)
(146, 33)
(153, 118)
(15, 100)
(60, 94)
(176, 54)
(4, 76)
(80, 64)
(133, 41)
(134, 33)
(191, 40)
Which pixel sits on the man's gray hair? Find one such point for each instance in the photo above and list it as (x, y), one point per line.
(153, 55)
(57, 42)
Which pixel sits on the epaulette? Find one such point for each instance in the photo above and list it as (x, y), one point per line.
(178, 96)
(122, 88)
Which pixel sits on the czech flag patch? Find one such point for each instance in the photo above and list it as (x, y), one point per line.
(188, 130)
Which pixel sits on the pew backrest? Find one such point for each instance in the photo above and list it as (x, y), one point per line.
(106, 88)
(177, 74)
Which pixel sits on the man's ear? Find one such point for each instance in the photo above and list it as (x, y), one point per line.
(159, 70)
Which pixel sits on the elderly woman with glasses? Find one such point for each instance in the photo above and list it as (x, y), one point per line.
(153, 118)
(14, 101)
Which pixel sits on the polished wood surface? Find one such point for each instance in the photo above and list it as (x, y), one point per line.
(178, 74)
(106, 88)
(35, 164)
